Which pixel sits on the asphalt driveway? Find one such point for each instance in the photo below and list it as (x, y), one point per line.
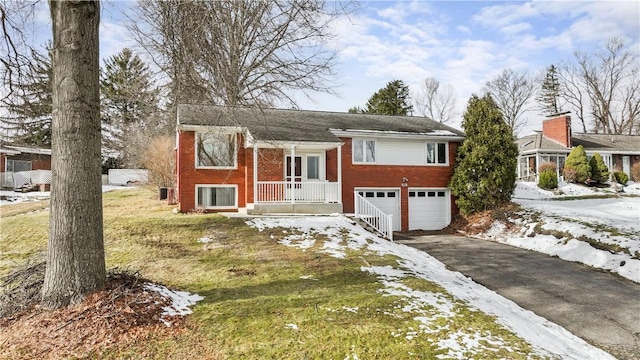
(600, 307)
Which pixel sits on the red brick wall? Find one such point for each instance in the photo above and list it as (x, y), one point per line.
(41, 163)
(558, 129)
(332, 165)
(271, 165)
(391, 176)
(190, 176)
(2, 161)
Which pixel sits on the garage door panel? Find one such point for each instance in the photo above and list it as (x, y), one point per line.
(428, 209)
(388, 201)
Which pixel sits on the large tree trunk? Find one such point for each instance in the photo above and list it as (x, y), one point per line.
(75, 252)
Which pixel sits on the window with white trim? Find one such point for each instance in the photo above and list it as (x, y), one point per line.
(216, 150)
(216, 196)
(436, 153)
(364, 151)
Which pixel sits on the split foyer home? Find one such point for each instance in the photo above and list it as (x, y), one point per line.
(391, 171)
(556, 140)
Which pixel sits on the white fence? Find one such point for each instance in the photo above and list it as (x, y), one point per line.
(17, 180)
(128, 176)
(304, 192)
(374, 217)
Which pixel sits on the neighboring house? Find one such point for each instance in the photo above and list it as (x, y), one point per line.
(15, 158)
(556, 141)
(20, 165)
(266, 161)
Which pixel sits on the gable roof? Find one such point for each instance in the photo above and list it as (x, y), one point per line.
(304, 125)
(591, 142)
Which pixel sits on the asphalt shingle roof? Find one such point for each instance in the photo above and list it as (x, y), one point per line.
(303, 125)
(590, 142)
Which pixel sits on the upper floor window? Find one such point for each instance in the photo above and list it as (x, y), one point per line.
(216, 150)
(364, 151)
(436, 153)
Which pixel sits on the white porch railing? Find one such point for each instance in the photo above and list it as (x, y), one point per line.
(374, 217)
(301, 192)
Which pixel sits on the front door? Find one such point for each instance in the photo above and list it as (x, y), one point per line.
(297, 169)
(626, 165)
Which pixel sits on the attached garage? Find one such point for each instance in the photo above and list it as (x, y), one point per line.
(429, 209)
(387, 200)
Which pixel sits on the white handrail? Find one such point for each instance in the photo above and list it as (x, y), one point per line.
(374, 217)
(300, 192)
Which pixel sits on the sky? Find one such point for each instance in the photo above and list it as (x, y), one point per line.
(460, 43)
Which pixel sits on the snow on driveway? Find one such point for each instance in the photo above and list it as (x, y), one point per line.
(600, 232)
(339, 234)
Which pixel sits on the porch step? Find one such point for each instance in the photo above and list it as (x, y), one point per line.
(288, 208)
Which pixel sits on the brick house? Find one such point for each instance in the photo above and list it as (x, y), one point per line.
(14, 158)
(556, 140)
(266, 161)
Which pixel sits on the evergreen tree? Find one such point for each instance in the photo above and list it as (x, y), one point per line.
(549, 95)
(576, 168)
(28, 115)
(393, 99)
(599, 171)
(128, 99)
(485, 172)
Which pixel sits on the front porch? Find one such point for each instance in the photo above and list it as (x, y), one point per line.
(317, 197)
(297, 179)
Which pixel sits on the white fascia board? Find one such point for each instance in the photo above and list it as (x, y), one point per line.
(436, 134)
(9, 152)
(27, 150)
(211, 128)
(308, 145)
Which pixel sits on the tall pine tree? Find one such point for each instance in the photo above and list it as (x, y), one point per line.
(129, 100)
(549, 95)
(485, 172)
(393, 99)
(28, 116)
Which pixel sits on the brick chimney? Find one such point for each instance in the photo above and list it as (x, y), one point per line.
(558, 129)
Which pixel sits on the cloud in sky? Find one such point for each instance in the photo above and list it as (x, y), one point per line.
(466, 43)
(462, 43)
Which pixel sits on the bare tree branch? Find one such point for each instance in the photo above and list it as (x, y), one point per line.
(238, 52)
(435, 101)
(512, 92)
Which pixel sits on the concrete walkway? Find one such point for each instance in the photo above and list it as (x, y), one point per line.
(600, 307)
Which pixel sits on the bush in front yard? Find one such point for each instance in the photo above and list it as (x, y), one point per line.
(635, 172)
(599, 171)
(548, 180)
(577, 163)
(547, 166)
(621, 177)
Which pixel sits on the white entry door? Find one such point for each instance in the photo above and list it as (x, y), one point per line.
(429, 209)
(387, 200)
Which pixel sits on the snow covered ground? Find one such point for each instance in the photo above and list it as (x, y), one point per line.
(600, 231)
(12, 197)
(335, 235)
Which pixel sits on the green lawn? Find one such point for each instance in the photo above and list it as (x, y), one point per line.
(256, 304)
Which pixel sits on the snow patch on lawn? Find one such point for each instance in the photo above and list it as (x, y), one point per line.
(339, 234)
(179, 301)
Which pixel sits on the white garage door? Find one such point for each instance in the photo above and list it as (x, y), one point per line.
(388, 201)
(428, 209)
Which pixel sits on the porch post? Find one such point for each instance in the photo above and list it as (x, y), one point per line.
(255, 173)
(293, 173)
(340, 174)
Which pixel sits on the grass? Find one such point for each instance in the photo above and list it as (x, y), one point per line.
(253, 290)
